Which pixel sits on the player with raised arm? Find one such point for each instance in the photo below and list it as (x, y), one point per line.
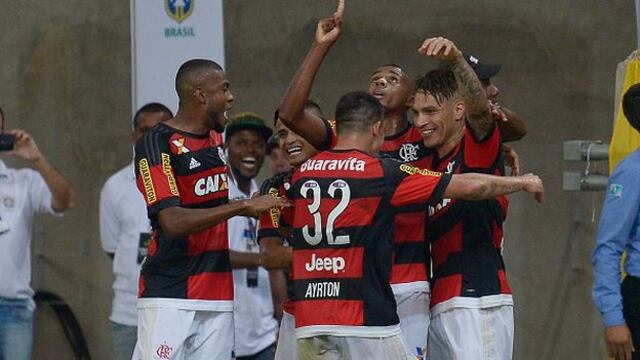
(186, 285)
(345, 199)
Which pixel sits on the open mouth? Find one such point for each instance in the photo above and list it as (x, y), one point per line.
(378, 95)
(249, 162)
(294, 150)
(427, 132)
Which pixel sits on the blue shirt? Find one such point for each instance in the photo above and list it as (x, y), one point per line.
(619, 230)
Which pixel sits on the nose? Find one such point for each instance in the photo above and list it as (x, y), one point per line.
(381, 82)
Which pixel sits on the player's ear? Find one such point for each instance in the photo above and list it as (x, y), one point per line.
(377, 128)
(459, 109)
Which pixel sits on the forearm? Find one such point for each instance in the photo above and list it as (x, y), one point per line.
(514, 128)
(63, 195)
(178, 221)
(274, 255)
(478, 113)
(244, 260)
(278, 283)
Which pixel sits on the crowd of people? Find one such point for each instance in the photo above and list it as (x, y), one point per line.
(378, 235)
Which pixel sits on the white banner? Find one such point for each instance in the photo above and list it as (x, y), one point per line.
(166, 33)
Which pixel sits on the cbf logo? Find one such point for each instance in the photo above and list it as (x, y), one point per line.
(179, 10)
(421, 353)
(408, 152)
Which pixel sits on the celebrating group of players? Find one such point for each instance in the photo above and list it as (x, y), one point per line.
(373, 206)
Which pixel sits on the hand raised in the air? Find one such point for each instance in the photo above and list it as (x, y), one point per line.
(440, 48)
(329, 29)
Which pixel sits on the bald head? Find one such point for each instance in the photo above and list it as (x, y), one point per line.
(195, 73)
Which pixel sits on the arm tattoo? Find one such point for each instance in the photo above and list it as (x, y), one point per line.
(478, 114)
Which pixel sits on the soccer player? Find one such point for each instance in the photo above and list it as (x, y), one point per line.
(471, 302)
(275, 230)
(186, 286)
(345, 199)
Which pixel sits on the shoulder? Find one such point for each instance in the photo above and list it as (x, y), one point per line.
(276, 183)
(628, 168)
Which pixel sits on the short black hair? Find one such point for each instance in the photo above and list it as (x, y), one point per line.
(631, 106)
(191, 73)
(309, 105)
(440, 83)
(153, 107)
(357, 111)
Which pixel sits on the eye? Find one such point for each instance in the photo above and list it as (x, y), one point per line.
(393, 80)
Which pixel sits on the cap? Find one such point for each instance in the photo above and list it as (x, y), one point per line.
(247, 121)
(484, 71)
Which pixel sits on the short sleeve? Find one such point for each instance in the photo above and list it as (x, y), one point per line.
(331, 135)
(39, 192)
(482, 153)
(413, 187)
(154, 173)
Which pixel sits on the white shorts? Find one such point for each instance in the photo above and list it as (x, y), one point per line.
(327, 347)
(472, 334)
(287, 348)
(413, 311)
(169, 333)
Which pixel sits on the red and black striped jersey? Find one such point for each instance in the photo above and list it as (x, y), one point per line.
(411, 254)
(277, 223)
(175, 168)
(466, 236)
(343, 239)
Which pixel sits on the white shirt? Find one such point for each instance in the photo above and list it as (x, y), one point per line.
(23, 194)
(124, 232)
(255, 326)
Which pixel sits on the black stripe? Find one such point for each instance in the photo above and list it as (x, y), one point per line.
(411, 253)
(211, 261)
(207, 157)
(350, 289)
(208, 204)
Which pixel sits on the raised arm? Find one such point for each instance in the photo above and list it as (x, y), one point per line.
(291, 109)
(512, 126)
(479, 115)
(473, 186)
(63, 195)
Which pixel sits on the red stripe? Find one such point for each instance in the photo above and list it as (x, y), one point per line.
(409, 227)
(504, 284)
(191, 144)
(450, 242)
(211, 239)
(160, 183)
(153, 244)
(481, 154)
(405, 273)
(203, 186)
(415, 189)
(140, 286)
(210, 286)
(328, 263)
(329, 312)
(445, 288)
(359, 212)
(289, 306)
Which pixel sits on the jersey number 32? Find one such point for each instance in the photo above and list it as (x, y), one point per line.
(311, 190)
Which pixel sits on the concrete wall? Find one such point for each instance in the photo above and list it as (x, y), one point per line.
(65, 74)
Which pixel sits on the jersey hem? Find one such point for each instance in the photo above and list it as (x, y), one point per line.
(352, 331)
(186, 304)
(483, 302)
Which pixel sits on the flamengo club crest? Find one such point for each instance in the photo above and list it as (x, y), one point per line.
(408, 152)
(164, 351)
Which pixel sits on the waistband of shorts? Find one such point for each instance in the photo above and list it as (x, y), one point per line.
(350, 331)
(482, 302)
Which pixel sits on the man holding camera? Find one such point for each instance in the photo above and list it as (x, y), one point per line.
(23, 194)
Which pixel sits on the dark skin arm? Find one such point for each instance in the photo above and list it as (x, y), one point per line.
(244, 260)
(269, 250)
(291, 109)
(274, 255)
(512, 127)
(178, 221)
(278, 283)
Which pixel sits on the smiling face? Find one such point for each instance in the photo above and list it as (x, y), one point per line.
(246, 153)
(392, 87)
(438, 123)
(298, 150)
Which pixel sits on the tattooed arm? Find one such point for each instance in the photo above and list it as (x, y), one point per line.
(479, 115)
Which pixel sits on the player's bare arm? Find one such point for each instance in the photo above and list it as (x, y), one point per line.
(243, 260)
(478, 114)
(291, 109)
(474, 186)
(178, 221)
(512, 126)
(273, 254)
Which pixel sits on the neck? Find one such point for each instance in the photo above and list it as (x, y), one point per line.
(450, 143)
(354, 141)
(190, 120)
(394, 122)
(243, 183)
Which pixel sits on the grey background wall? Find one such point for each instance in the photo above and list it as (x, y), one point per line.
(65, 74)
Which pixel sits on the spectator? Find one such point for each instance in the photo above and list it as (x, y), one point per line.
(125, 232)
(618, 231)
(23, 194)
(255, 324)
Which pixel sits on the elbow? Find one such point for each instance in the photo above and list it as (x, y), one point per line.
(170, 228)
(65, 202)
(286, 115)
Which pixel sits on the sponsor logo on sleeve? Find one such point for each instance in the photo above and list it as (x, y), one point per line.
(166, 168)
(145, 173)
(274, 213)
(410, 169)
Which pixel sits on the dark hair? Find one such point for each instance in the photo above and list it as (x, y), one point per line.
(631, 106)
(357, 111)
(440, 83)
(150, 108)
(313, 107)
(191, 72)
